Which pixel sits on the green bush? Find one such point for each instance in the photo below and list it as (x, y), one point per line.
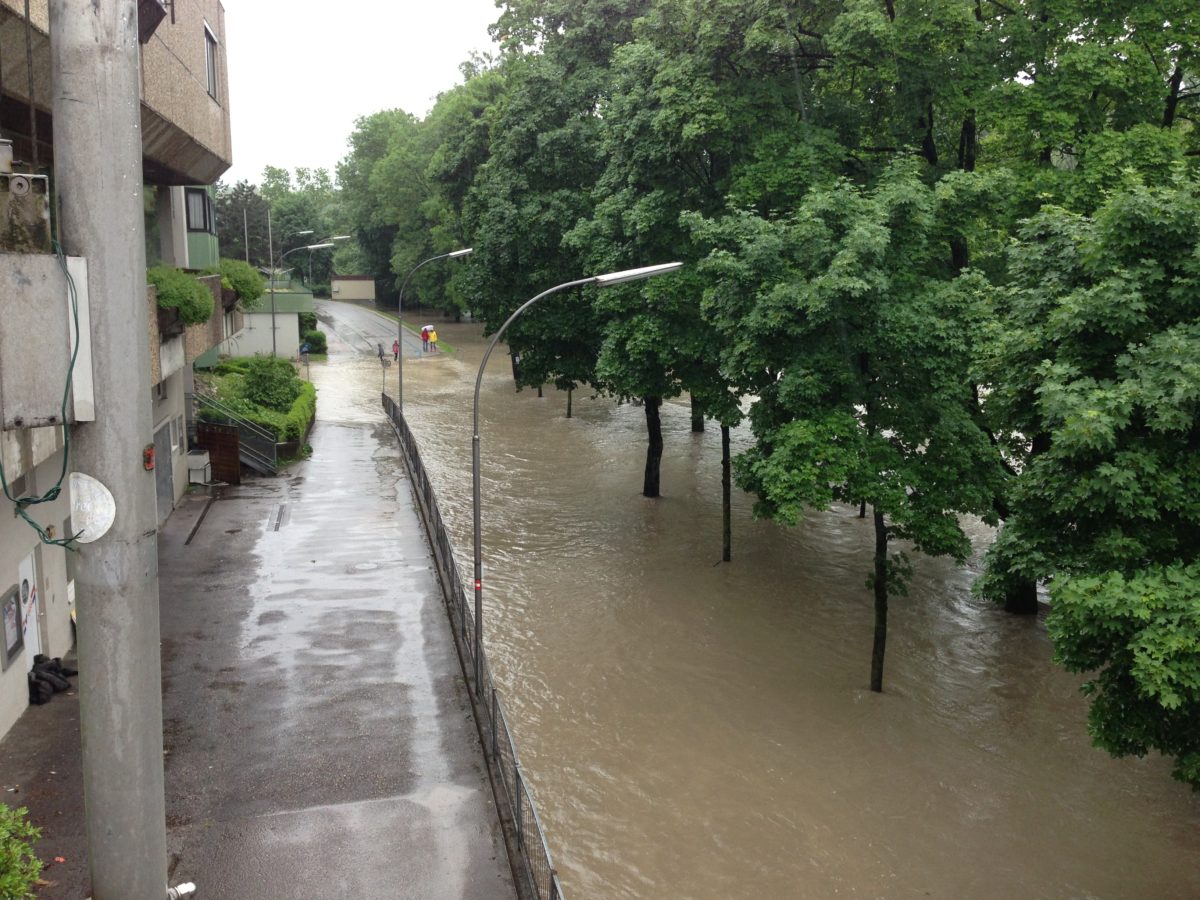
(237, 383)
(316, 341)
(301, 413)
(236, 365)
(19, 867)
(179, 290)
(271, 382)
(308, 322)
(245, 281)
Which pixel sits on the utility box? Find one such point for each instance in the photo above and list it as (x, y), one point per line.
(37, 336)
(24, 207)
(199, 467)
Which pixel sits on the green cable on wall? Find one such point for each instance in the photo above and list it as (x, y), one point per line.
(21, 503)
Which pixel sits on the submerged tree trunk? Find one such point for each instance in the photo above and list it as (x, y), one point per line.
(697, 417)
(654, 448)
(539, 391)
(1021, 598)
(881, 601)
(570, 393)
(726, 498)
(862, 509)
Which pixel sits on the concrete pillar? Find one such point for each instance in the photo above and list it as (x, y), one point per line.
(98, 180)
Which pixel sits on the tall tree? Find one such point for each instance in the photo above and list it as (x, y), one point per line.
(373, 227)
(858, 340)
(242, 211)
(1093, 367)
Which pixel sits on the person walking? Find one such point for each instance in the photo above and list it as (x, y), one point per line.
(425, 339)
(433, 340)
(396, 349)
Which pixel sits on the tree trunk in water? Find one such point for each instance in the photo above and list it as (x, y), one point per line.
(539, 391)
(697, 417)
(654, 449)
(726, 499)
(862, 509)
(570, 392)
(881, 601)
(1021, 598)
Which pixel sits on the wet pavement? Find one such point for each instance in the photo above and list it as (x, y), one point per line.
(317, 735)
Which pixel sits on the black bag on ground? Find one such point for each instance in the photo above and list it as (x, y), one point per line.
(39, 691)
(57, 682)
(45, 663)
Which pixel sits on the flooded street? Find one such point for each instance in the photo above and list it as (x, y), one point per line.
(696, 729)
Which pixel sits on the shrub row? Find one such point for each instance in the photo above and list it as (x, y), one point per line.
(302, 413)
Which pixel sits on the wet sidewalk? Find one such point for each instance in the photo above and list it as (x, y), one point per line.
(318, 739)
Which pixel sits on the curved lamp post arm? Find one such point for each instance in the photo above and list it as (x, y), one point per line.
(477, 530)
(453, 254)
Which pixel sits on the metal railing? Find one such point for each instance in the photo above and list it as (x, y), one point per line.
(523, 828)
(257, 446)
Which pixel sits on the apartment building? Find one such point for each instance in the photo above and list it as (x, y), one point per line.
(186, 145)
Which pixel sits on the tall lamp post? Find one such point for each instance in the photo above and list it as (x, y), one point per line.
(453, 254)
(271, 260)
(332, 237)
(610, 278)
(281, 259)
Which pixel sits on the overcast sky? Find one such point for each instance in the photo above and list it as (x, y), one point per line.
(300, 73)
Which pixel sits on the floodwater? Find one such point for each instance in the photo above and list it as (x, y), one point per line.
(697, 729)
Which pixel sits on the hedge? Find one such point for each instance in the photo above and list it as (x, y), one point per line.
(302, 412)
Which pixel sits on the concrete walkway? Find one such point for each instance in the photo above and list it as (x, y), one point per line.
(318, 740)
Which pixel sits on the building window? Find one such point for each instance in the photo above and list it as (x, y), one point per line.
(199, 211)
(210, 57)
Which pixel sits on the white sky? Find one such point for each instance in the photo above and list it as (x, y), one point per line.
(300, 73)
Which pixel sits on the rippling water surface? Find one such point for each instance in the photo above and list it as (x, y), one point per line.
(696, 729)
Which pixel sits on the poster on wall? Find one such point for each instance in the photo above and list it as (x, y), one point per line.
(31, 636)
(10, 612)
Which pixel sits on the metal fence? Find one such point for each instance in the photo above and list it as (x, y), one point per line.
(522, 827)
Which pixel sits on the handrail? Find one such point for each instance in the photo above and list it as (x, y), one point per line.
(257, 447)
(521, 823)
(238, 419)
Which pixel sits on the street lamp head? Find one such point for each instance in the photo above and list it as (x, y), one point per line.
(315, 246)
(457, 253)
(637, 274)
(340, 237)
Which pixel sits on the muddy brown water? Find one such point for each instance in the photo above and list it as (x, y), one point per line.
(696, 729)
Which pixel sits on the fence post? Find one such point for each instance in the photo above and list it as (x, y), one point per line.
(517, 793)
(495, 746)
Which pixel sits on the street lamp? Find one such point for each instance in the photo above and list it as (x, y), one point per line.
(334, 237)
(281, 259)
(610, 278)
(453, 254)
